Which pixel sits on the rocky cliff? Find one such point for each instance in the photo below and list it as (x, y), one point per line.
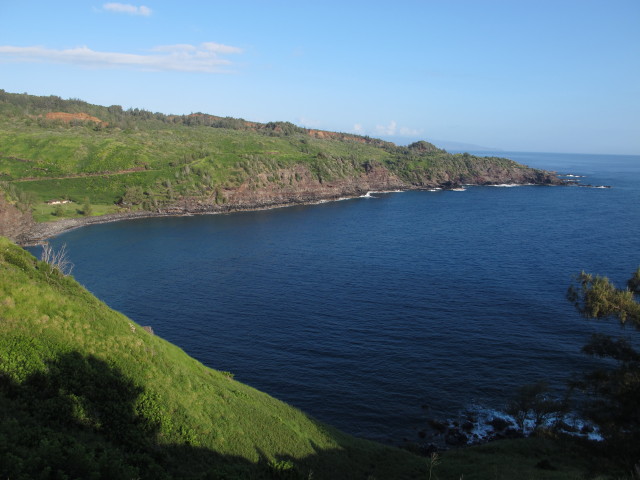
(14, 224)
(298, 185)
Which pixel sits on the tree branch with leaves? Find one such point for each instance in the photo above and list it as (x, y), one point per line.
(614, 388)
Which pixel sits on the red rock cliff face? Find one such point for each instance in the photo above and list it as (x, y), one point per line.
(295, 185)
(299, 185)
(491, 175)
(13, 223)
(68, 117)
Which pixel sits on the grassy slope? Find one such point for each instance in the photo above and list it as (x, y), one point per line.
(194, 160)
(169, 157)
(84, 389)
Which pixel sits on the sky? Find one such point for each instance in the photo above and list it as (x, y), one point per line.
(515, 75)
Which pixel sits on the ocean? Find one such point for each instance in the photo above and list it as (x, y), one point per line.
(375, 314)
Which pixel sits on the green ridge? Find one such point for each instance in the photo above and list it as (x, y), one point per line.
(142, 160)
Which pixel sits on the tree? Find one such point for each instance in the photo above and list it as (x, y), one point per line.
(133, 196)
(58, 211)
(87, 210)
(633, 283)
(597, 297)
(613, 389)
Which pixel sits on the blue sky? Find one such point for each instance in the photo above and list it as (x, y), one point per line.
(554, 76)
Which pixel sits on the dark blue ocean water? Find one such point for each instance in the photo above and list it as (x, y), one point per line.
(363, 312)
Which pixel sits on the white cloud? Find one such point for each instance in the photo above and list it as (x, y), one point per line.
(358, 128)
(179, 47)
(218, 48)
(182, 57)
(126, 8)
(408, 132)
(388, 129)
(308, 122)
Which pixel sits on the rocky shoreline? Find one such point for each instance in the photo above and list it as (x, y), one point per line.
(296, 185)
(38, 233)
(287, 186)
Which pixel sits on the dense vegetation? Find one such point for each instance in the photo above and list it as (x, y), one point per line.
(110, 159)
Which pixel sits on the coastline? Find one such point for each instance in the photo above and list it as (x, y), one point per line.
(39, 233)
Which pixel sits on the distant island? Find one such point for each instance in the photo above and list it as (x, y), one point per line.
(66, 163)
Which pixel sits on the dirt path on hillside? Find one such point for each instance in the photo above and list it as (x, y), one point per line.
(84, 175)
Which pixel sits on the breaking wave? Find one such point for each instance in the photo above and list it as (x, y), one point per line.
(478, 424)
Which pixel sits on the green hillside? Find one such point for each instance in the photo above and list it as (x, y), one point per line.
(109, 160)
(87, 393)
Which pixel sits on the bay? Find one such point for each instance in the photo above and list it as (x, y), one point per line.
(373, 314)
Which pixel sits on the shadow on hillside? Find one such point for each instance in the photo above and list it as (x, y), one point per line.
(83, 418)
